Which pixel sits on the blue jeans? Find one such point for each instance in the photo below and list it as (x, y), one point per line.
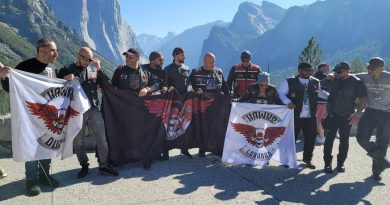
(379, 120)
(33, 168)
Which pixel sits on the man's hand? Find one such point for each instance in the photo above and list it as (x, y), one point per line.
(199, 91)
(354, 118)
(164, 89)
(143, 92)
(3, 70)
(96, 62)
(330, 76)
(69, 77)
(291, 106)
(171, 88)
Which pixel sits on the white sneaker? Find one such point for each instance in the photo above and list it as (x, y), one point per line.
(320, 140)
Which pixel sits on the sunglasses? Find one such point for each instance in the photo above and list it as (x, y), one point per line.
(85, 58)
(245, 60)
(263, 85)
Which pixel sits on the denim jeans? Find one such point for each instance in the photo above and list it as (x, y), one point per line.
(33, 168)
(334, 123)
(94, 120)
(379, 120)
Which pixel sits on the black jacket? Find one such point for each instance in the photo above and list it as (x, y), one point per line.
(296, 92)
(126, 78)
(177, 76)
(208, 80)
(253, 90)
(89, 80)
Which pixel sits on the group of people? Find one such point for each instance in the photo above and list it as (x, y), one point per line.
(323, 104)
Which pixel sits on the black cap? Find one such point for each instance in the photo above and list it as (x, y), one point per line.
(154, 55)
(376, 62)
(304, 66)
(342, 66)
(177, 51)
(131, 51)
(246, 55)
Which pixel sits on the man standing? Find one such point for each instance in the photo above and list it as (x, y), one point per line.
(344, 92)
(208, 78)
(300, 93)
(89, 77)
(37, 172)
(321, 74)
(376, 116)
(177, 74)
(134, 77)
(157, 77)
(3, 73)
(242, 75)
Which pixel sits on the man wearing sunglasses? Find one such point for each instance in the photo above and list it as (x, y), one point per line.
(157, 77)
(376, 115)
(345, 90)
(300, 93)
(87, 70)
(242, 75)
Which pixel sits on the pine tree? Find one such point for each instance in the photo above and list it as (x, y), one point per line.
(311, 53)
(357, 66)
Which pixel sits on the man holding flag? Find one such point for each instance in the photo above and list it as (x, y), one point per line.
(37, 171)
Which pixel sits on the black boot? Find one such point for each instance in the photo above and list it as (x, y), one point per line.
(164, 156)
(84, 171)
(32, 187)
(186, 153)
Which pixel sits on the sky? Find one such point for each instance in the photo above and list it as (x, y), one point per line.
(158, 17)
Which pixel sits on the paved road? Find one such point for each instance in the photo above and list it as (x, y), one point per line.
(205, 181)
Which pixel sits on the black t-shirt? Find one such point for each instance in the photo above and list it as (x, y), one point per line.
(343, 95)
(31, 65)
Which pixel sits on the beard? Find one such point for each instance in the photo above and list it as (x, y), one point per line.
(181, 60)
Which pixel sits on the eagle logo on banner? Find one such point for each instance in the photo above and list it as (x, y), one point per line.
(256, 137)
(54, 120)
(176, 115)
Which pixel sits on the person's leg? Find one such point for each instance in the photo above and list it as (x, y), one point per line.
(382, 140)
(309, 129)
(330, 134)
(96, 124)
(320, 114)
(344, 130)
(44, 174)
(366, 126)
(32, 181)
(78, 146)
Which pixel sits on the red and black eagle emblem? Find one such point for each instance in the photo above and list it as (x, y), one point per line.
(256, 138)
(54, 120)
(176, 115)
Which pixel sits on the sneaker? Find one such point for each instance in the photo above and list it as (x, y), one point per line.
(328, 169)
(186, 154)
(147, 165)
(83, 172)
(320, 140)
(107, 170)
(48, 181)
(2, 173)
(202, 153)
(341, 169)
(32, 187)
(309, 164)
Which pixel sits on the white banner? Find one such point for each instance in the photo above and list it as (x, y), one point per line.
(257, 133)
(46, 115)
